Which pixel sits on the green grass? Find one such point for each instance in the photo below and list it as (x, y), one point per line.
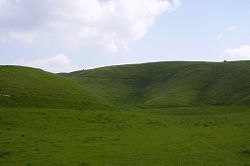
(29, 87)
(170, 84)
(174, 136)
(165, 113)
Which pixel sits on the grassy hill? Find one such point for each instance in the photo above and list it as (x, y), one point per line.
(199, 134)
(29, 87)
(160, 84)
(170, 84)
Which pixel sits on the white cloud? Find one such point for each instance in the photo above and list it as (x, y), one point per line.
(58, 63)
(24, 38)
(220, 36)
(241, 53)
(108, 24)
(230, 29)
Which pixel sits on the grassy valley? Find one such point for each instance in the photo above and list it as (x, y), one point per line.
(164, 113)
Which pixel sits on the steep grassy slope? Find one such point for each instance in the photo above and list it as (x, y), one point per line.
(28, 87)
(165, 84)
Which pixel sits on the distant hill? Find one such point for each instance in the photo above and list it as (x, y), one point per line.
(170, 84)
(29, 87)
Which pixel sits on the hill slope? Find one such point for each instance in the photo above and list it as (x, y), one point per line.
(165, 84)
(29, 87)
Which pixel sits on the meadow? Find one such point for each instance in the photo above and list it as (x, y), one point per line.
(169, 136)
(164, 113)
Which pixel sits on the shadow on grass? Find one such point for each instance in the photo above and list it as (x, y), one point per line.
(4, 154)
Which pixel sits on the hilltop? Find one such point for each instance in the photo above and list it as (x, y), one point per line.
(29, 87)
(170, 84)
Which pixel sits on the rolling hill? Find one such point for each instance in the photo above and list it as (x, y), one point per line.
(145, 132)
(29, 87)
(170, 84)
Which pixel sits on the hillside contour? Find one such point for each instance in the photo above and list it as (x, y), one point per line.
(29, 87)
(170, 84)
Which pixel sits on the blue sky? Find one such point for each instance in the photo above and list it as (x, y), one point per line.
(47, 35)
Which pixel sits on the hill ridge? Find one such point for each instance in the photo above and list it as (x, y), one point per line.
(167, 84)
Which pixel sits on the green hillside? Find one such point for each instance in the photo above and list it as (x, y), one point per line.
(170, 84)
(48, 119)
(29, 87)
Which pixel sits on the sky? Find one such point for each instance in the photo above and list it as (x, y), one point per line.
(64, 36)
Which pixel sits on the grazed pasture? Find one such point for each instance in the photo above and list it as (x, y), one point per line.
(177, 136)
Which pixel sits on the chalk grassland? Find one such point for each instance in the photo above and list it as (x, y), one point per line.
(170, 84)
(29, 87)
(173, 136)
(150, 85)
(165, 113)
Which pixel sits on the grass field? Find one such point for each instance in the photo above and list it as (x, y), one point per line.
(172, 136)
(165, 113)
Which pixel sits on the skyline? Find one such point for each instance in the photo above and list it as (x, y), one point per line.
(49, 35)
